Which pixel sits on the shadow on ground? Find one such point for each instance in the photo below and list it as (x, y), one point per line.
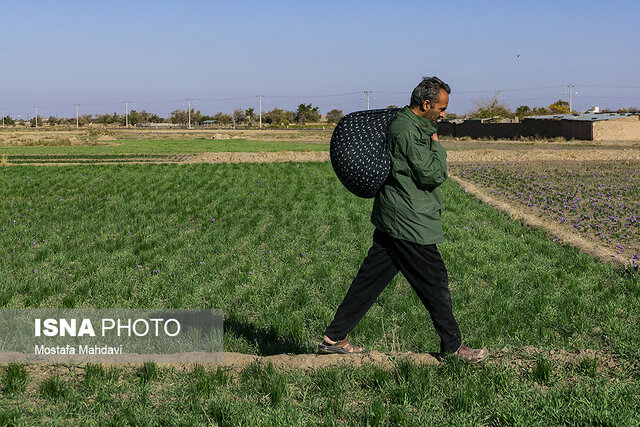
(267, 340)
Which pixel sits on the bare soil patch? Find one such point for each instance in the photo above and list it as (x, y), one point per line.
(542, 154)
(262, 157)
(207, 157)
(520, 360)
(36, 137)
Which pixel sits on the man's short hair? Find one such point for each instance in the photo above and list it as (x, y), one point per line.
(428, 90)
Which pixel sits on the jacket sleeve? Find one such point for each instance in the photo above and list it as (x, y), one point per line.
(427, 160)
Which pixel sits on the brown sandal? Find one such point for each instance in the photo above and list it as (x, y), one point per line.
(471, 355)
(340, 347)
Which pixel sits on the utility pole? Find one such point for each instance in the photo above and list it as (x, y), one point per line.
(126, 114)
(189, 111)
(367, 92)
(77, 119)
(260, 110)
(36, 107)
(3, 118)
(570, 86)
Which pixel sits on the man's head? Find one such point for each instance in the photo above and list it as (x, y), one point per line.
(430, 98)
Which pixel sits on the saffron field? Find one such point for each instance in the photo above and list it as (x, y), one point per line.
(600, 201)
(275, 246)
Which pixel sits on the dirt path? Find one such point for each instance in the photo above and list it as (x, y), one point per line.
(542, 154)
(454, 157)
(262, 157)
(206, 157)
(521, 361)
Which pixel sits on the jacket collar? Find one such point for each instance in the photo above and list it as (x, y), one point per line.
(422, 122)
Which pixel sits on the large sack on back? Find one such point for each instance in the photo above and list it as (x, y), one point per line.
(359, 150)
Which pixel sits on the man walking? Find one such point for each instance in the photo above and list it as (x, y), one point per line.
(406, 214)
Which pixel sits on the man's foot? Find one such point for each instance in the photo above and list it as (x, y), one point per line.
(471, 355)
(339, 347)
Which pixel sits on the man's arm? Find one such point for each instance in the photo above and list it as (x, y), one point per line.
(427, 160)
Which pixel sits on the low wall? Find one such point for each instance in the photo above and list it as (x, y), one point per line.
(577, 129)
(446, 129)
(542, 128)
(625, 129)
(477, 129)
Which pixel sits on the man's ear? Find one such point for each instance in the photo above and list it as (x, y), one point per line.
(425, 105)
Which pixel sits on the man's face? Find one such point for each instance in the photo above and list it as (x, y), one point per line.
(436, 110)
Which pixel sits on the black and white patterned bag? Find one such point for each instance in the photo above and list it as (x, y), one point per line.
(359, 150)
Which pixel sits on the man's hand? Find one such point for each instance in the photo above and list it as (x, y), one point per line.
(435, 137)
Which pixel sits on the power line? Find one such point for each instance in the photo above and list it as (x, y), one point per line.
(610, 86)
(312, 96)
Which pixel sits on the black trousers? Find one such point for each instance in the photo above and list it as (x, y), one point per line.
(425, 271)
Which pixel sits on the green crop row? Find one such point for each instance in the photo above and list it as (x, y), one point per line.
(404, 395)
(165, 146)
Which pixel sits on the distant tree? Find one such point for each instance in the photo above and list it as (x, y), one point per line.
(307, 114)
(251, 116)
(634, 110)
(390, 107)
(134, 117)
(274, 117)
(52, 121)
(146, 117)
(8, 121)
(179, 117)
(540, 111)
(559, 107)
(278, 116)
(290, 116)
(84, 119)
(196, 117)
(523, 111)
(34, 122)
(239, 116)
(107, 119)
(451, 116)
(222, 118)
(334, 116)
(485, 108)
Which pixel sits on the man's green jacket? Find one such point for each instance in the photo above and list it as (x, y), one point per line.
(408, 206)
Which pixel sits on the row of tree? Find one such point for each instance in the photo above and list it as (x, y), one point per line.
(495, 107)
(492, 107)
(306, 113)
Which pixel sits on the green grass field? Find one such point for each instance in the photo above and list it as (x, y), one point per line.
(161, 146)
(275, 246)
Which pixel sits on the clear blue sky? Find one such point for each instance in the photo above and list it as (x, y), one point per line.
(158, 53)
